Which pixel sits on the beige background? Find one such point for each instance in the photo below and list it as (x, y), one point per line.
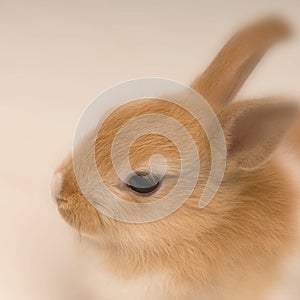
(55, 57)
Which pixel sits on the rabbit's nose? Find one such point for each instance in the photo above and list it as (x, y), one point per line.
(56, 187)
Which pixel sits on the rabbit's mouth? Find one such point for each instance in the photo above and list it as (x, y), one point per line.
(60, 200)
(80, 214)
(74, 208)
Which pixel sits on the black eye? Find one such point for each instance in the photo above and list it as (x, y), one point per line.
(143, 183)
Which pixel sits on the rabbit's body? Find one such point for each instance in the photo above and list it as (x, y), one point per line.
(104, 282)
(233, 247)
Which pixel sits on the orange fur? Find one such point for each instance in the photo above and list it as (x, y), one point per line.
(229, 249)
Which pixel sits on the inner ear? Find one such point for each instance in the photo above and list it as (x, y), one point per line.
(255, 129)
(251, 128)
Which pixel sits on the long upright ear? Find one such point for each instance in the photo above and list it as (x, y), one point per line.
(254, 129)
(237, 59)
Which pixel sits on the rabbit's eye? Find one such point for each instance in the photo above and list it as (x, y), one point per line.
(143, 183)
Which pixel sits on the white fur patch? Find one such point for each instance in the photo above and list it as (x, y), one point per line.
(102, 284)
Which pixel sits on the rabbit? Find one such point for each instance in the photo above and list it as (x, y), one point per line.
(233, 247)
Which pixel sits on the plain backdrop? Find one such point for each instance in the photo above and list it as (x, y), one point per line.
(55, 57)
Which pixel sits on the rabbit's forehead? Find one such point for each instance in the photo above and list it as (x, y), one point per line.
(144, 128)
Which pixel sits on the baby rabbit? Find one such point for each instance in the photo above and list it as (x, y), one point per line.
(232, 247)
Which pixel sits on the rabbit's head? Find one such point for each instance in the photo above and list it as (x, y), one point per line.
(253, 189)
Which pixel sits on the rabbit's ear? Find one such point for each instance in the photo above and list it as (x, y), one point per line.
(237, 59)
(254, 129)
